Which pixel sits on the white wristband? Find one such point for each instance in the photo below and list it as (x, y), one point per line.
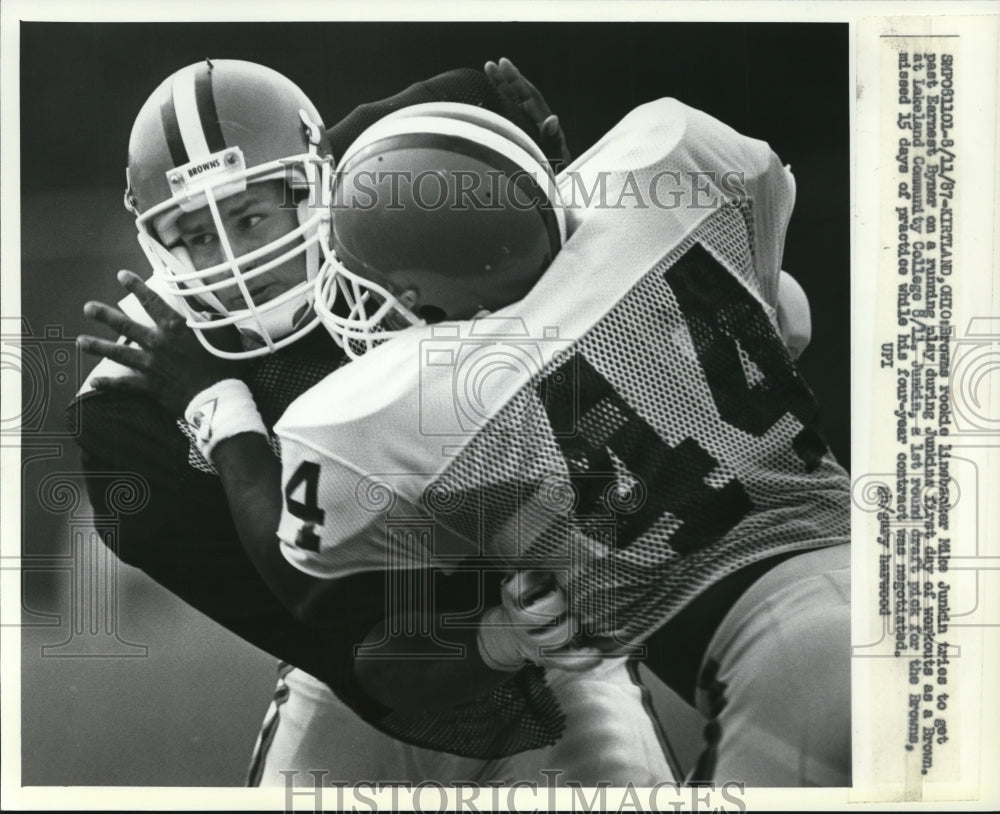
(221, 411)
(498, 646)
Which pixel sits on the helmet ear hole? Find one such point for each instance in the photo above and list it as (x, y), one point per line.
(431, 313)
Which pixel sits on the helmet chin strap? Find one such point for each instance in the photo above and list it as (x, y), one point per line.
(278, 322)
(401, 314)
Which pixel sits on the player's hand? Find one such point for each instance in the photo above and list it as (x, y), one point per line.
(510, 84)
(170, 363)
(532, 624)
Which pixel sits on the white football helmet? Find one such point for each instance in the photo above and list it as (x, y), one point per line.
(441, 211)
(206, 133)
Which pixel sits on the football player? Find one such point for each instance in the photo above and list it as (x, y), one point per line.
(629, 421)
(228, 166)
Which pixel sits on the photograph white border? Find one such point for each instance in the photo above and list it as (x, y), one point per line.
(882, 788)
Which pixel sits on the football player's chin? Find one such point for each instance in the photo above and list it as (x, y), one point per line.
(274, 283)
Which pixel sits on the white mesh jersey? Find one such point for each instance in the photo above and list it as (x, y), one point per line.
(634, 424)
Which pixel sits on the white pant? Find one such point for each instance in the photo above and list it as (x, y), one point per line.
(775, 683)
(610, 736)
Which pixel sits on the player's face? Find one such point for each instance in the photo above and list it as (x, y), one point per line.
(252, 219)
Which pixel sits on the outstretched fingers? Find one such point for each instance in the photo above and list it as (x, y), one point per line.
(512, 85)
(121, 324)
(136, 383)
(161, 313)
(128, 355)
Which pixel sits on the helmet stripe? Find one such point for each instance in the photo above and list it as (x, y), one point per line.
(178, 155)
(186, 108)
(205, 101)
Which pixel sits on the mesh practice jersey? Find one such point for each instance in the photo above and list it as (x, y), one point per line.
(635, 424)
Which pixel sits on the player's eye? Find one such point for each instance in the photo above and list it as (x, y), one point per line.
(248, 222)
(200, 240)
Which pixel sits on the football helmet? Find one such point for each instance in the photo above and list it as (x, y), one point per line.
(205, 134)
(441, 211)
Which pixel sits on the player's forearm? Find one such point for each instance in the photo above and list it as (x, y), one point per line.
(251, 476)
(427, 672)
(441, 667)
(230, 432)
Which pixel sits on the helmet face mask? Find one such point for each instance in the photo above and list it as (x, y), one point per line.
(358, 312)
(191, 202)
(441, 211)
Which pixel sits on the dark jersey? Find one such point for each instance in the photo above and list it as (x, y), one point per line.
(184, 538)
